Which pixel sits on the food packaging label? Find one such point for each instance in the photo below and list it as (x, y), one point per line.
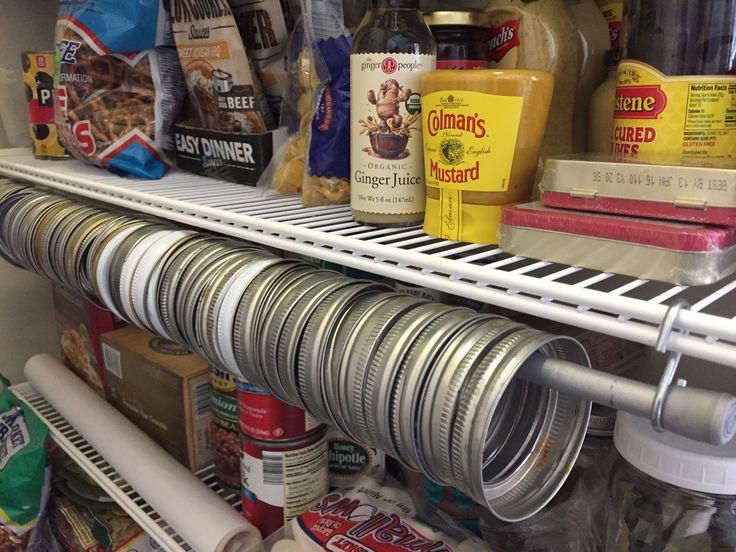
(503, 44)
(344, 521)
(221, 84)
(386, 135)
(38, 77)
(288, 479)
(348, 460)
(689, 117)
(613, 13)
(265, 34)
(469, 145)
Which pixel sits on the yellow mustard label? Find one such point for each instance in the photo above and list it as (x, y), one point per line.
(469, 145)
(684, 117)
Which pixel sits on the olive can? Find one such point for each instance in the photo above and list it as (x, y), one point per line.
(281, 480)
(263, 416)
(225, 433)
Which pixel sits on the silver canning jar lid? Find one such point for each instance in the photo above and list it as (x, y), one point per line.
(446, 380)
(411, 379)
(81, 240)
(386, 367)
(283, 306)
(247, 313)
(307, 382)
(194, 294)
(100, 251)
(172, 273)
(206, 333)
(357, 358)
(42, 237)
(534, 463)
(120, 256)
(318, 341)
(178, 298)
(335, 378)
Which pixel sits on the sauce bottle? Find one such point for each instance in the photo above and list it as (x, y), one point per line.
(600, 118)
(594, 43)
(676, 93)
(540, 35)
(392, 50)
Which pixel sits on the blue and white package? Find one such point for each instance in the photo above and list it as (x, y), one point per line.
(118, 84)
(327, 178)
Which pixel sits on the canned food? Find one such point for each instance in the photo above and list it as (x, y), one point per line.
(265, 417)
(348, 460)
(225, 432)
(280, 481)
(38, 77)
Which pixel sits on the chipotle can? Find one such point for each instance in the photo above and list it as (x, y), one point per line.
(263, 416)
(281, 480)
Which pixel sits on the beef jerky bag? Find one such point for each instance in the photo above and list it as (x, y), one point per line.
(119, 85)
(222, 85)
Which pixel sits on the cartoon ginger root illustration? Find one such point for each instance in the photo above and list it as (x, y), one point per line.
(388, 100)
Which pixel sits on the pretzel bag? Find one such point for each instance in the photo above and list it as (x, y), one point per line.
(119, 85)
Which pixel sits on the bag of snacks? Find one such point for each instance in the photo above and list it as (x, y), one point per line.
(23, 474)
(119, 87)
(222, 85)
(316, 158)
(374, 513)
(264, 27)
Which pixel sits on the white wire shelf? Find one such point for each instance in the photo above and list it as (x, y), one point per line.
(608, 303)
(106, 477)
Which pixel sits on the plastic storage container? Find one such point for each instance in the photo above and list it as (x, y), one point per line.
(670, 493)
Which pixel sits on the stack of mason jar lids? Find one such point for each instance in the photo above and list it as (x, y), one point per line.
(430, 384)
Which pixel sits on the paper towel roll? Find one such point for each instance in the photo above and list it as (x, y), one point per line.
(201, 517)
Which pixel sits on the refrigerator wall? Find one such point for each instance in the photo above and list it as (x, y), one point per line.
(26, 314)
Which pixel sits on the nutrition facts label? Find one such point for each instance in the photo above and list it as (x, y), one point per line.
(711, 106)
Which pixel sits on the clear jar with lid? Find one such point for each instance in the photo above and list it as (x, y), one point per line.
(461, 38)
(669, 493)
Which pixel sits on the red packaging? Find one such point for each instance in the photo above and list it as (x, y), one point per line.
(263, 416)
(80, 324)
(282, 480)
(674, 252)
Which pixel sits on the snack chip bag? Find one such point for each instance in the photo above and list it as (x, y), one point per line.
(373, 514)
(119, 86)
(23, 473)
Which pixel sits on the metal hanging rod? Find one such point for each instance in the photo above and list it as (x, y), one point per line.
(698, 414)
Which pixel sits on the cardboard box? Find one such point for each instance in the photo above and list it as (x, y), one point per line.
(80, 324)
(164, 389)
(240, 158)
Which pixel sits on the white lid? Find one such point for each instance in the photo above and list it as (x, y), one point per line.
(676, 460)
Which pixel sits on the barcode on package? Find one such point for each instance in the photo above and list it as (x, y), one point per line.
(201, 399)
(112, 360)
(273, 468)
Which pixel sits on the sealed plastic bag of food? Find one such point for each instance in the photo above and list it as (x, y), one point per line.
(223, 86)
(375, 513)
(23, 474)
(119, 86)
(285, 174)
(264, 27)
(316, 158)
(327, 170)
